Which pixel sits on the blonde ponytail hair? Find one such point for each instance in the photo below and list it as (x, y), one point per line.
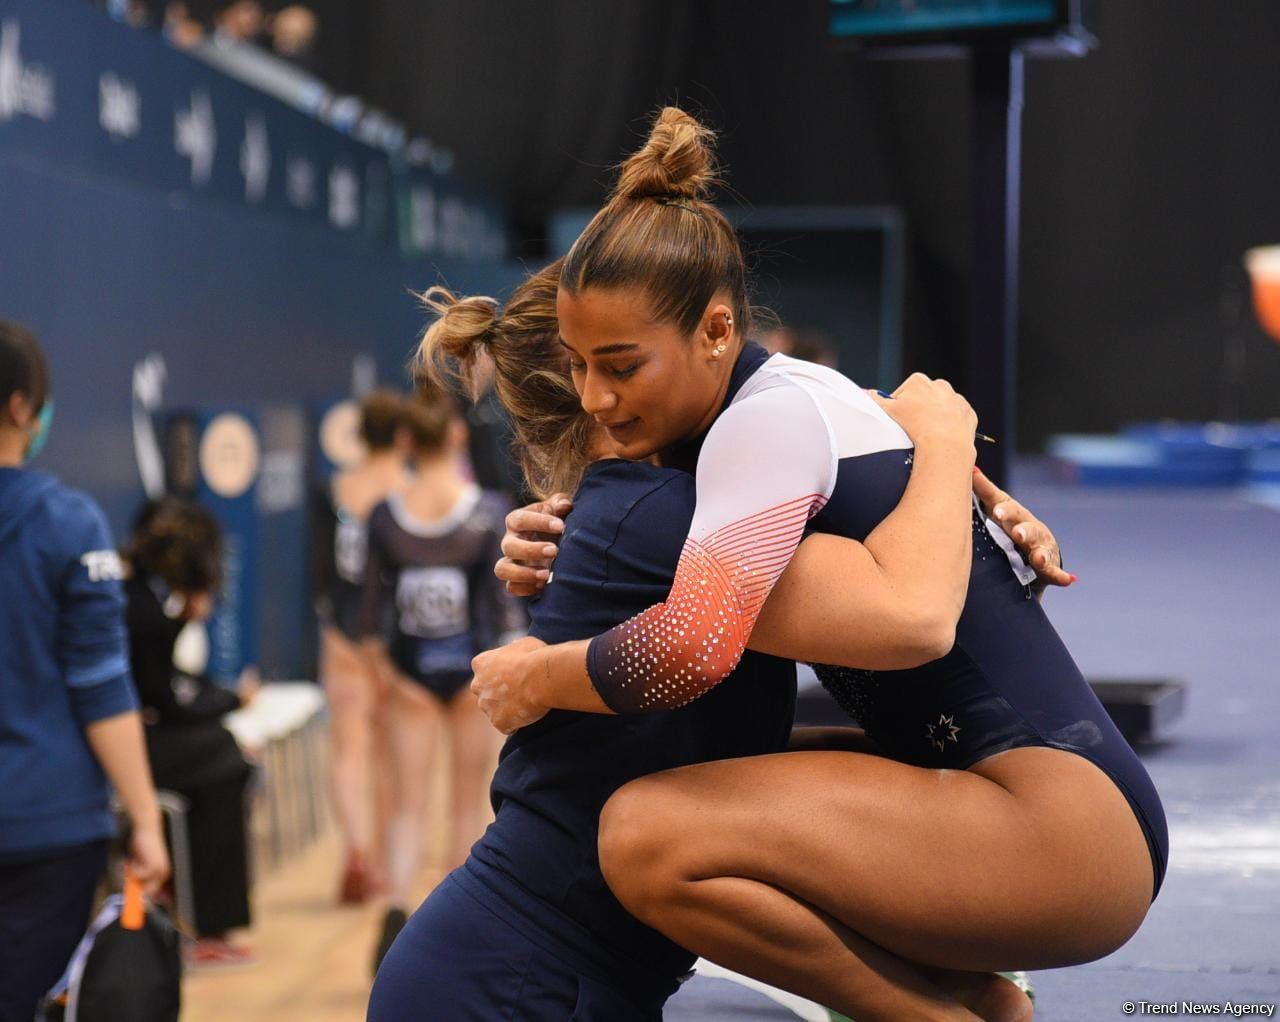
(531, 373)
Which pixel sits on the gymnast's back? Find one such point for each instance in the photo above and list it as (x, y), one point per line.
(618, 554)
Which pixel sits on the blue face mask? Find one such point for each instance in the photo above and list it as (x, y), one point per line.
(45, 422)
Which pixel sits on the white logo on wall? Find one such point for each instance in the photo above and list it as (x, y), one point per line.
(422, 219)
(195, 138)
(455, 227)
(119, 106)
(282, 487)
(300, 182)
(255, 158)
(375, 193)
(344, 197)
(148, 390)
(24, 88)
(229, 455)
(364, 374)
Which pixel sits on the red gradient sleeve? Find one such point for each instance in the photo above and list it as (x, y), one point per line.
(766, 468)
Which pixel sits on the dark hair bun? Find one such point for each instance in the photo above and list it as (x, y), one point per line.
(677, 160)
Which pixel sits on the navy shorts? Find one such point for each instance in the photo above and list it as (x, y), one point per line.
(468, 964)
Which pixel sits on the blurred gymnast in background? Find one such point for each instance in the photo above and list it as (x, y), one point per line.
(429, 571)
(359, 763)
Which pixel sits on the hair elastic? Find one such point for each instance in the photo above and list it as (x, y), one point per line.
(676, 200)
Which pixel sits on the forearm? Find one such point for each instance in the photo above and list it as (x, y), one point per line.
(118, 744)
(560, 679)
(891, 603)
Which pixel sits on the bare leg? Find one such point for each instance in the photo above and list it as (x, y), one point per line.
(1038, 862)
(383, 765)
(349, 690)
(789, 939)
(414, 722)
(473, 754)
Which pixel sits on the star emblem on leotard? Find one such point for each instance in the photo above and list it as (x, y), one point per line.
(942, 732)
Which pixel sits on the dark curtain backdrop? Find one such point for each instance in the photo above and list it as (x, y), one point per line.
(1148, 167)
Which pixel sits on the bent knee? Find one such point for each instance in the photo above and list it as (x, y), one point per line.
(636, 848)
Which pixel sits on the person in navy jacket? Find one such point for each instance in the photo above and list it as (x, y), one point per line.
(68, 712)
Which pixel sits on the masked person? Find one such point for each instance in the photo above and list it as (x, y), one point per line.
(68, 713)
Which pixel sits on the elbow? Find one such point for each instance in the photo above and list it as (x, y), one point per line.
(938, 638)
(925, 637)
(704, 671)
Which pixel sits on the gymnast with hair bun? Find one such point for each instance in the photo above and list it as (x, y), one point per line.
(527, 928)
(998, 820)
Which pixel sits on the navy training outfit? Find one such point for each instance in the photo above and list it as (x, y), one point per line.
(527, 930)
(63, 666)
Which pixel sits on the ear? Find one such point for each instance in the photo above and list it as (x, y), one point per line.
(18, 410)
(717, 330)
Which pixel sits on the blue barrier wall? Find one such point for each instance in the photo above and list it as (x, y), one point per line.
(112, 251)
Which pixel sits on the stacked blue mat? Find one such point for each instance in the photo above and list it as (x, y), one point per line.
(1173, 454)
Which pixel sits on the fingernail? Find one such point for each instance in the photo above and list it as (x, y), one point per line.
(999, 513)
(1074, 578)
(542, 573)
(1019, 533)
(549, 550)
(557, 525)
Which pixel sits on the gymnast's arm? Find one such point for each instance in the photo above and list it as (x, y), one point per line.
(378, 588)
(689, 643)
(529, 546)
(892, 602)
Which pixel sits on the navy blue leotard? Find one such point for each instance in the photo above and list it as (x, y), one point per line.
(435, 581)
(798, 447)
(527, 928)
